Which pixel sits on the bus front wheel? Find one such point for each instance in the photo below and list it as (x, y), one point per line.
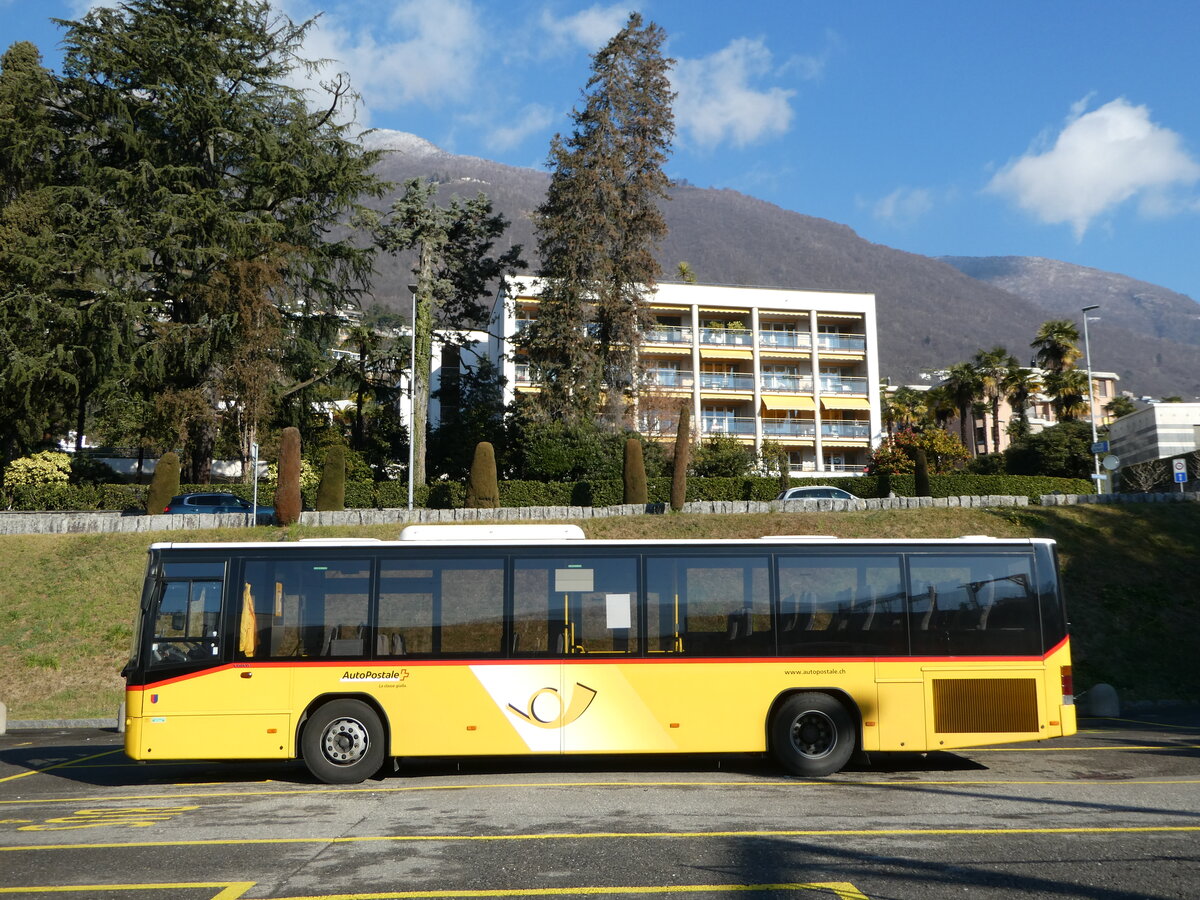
(812, 735)
(343, 742)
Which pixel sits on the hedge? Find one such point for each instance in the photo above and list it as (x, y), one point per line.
(449, 494)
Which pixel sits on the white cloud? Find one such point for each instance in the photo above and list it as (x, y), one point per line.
(590, 28)
(903, 206)
(717, 101)
(1098, 161)
(533, 119)
(428, 52)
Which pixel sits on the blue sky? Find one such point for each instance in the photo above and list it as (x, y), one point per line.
(1067, 129)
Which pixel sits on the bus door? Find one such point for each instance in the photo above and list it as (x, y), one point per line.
(580, 615)
(193, 703)
(709, 632)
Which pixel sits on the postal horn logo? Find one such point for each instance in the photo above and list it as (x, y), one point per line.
(546, 709)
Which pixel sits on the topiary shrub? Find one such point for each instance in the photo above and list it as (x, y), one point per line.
(683, 437)
(922, 473)
(482, 490)
(165, 483)
(287, 491)
(634, 473)
(331, 492)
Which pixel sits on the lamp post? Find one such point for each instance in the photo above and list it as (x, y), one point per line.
(412, 394)
(1087, 352)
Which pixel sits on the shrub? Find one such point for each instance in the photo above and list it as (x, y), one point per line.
(47, 467)
(287, 491)
(331, 493)
(482, 490)
(165, 483)
(634, 474)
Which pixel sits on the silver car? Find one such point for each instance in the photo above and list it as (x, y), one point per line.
(815, 492)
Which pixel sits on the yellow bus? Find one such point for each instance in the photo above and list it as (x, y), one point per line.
(474, 640)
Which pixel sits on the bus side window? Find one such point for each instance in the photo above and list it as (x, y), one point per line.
(298, 608)
(561, 606)
(706, 606)
(978, 604)
(841, 604)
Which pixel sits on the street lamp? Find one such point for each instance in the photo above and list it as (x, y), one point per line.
(1087, 351)
(412, 394)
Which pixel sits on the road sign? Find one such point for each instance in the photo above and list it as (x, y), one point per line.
(1110, 462)
(1100, 447)
(1180, 467)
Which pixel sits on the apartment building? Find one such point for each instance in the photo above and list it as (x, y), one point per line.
(799, 368)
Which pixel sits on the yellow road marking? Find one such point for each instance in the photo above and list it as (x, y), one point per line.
(1192, 727)
(235, 890)
(57, 766)
(228, 890)
(1161, 747)
(524, 786)
(613, 835)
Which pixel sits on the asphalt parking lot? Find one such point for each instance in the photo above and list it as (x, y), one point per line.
(1113, 812)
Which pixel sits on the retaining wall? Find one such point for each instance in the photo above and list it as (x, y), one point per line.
(96, 522)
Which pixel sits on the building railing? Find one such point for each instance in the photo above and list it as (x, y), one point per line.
(668, 334)
(739, 425)
(855, 343)
(785, 340)
(787, 384)
(803, 428)
(670, 378)
(833, 384)
(726, 337)
(726, 381)
(847, 430)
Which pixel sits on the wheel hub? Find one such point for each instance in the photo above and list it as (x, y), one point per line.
(345, 742)
(814, 734)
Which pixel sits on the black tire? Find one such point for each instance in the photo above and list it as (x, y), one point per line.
(812, 735)
(343, 742)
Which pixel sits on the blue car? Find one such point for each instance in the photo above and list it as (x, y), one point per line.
(213, 502)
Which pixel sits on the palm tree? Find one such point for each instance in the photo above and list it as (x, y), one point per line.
(992, 366)
(1056, 344)
(1069, 393)
(908, 407)
(1019, 385)
(963, 385)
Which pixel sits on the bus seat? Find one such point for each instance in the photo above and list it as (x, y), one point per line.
(925, 619)
(337, 643)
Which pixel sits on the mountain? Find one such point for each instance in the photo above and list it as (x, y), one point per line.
(931, 312)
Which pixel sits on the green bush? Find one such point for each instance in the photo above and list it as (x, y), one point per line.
(634, 473)
(331, 492)
(47, 467)
(482, 491)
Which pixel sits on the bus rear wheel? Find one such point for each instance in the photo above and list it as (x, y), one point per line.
(342, 742)
(812, 735)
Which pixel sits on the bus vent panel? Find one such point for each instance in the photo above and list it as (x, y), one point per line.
(984, 705)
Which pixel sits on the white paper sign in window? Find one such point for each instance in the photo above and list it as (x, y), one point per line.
(618, 611)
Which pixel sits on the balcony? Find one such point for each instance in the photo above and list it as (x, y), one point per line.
(726, 381)
(835, 384)
(668, 334)
(735, 425)
(853, 431)
(726, 337)
(789, 428)
(843, 343)
(670, 378)
(787, 384)
(785, 340)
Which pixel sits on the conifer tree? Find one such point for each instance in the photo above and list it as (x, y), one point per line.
(197, 137)
(599, 227)
(455, 267)
(288, 501)
(634, 473)
(683, 445)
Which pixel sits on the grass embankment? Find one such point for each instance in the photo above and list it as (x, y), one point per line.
(1132, 576)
